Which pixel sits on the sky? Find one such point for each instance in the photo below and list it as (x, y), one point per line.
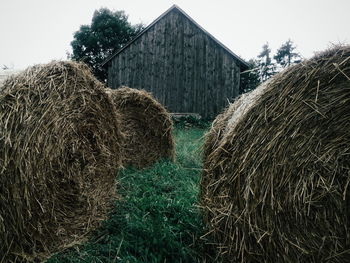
(38, 31)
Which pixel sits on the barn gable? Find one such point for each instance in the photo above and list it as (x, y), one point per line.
(180, 63)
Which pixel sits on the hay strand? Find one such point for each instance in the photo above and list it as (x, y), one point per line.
(147, 127)
(275, 183)
(59, 150)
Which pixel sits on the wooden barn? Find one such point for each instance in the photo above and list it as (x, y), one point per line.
(182, 65)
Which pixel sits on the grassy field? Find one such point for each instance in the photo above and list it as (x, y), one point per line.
(156, 218)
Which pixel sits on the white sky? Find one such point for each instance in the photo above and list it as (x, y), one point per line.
(38, 31)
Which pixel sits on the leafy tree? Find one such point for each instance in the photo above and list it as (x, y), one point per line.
(286, 54)
(266, 67)
(108, 32)
(250, 78)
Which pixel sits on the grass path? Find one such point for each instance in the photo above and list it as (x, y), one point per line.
(156, 219)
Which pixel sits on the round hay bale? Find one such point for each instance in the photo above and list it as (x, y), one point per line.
(146, 125)
(275, 187)
(59, 150)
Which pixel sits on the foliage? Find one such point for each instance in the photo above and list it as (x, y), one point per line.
(262, 68)
(108, 32)
(185, 122)
(286, 54)
(250, 78)
(267, 68)
(189, 146)
(156, 218)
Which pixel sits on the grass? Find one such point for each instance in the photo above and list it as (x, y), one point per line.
(156, 219)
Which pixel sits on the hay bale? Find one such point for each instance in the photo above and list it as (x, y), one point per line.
(146, 125)
(59, 149)
(275, 186)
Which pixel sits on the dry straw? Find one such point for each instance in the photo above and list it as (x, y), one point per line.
(59, 150)
(276, 177)
(146, 125)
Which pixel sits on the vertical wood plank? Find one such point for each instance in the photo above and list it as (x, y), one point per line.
(184, 68)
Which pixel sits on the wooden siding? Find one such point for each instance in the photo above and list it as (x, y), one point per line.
(184, 68)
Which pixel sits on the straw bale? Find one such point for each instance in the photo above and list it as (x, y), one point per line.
(59, 150)
(146, 125)
(275, 183)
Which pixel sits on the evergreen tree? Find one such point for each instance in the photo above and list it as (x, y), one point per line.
(266, 67)
(286, 54)
(250, 78)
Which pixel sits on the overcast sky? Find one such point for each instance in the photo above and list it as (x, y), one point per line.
(38, 31)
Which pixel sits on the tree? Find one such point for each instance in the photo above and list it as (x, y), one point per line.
(250, 78)
(109, 31)
(286, 54)
(266, 67)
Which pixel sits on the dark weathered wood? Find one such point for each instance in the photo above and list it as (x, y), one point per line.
(180, 64)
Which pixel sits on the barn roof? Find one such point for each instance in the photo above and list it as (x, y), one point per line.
(175, 7)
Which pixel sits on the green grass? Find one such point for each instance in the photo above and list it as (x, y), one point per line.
(156, 219)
